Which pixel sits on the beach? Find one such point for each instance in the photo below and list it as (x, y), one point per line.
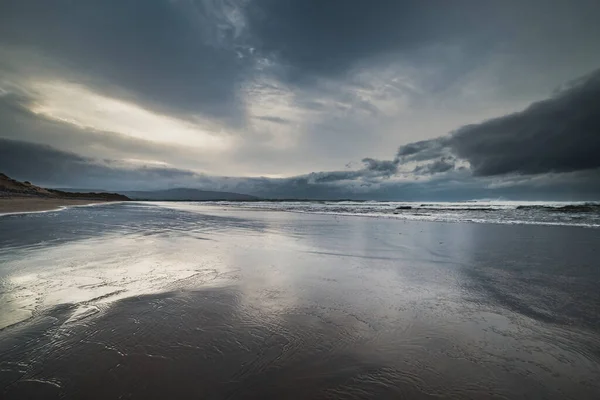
(183, 300)
(32, 204)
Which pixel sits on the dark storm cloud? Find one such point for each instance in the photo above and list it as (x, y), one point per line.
(383, 167)
(328, 37)
(372, 170)
(557, 135)
(444, 164)
(45, 165)
(560, 134)
(38, 162)
(422, 150)
(175, 56)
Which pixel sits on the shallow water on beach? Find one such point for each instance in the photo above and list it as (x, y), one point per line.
(175, 300)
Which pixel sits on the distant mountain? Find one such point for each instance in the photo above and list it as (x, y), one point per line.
(12, 188)
(77, 190)
(185, 194)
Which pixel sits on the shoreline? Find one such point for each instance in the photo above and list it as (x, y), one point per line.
(22, 205)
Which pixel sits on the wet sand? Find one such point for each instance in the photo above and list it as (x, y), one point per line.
(137, 301)
(9, 205)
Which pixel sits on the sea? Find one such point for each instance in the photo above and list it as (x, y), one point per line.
(585, 214)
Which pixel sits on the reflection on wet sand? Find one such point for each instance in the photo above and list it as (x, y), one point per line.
(193, 301)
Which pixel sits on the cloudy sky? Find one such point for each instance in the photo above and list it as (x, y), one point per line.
(382, 99)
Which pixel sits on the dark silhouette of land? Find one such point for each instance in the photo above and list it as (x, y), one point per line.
(16, 196)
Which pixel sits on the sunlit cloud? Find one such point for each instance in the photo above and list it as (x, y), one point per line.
(77, 105)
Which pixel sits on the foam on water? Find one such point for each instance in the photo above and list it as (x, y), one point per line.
(500, 212)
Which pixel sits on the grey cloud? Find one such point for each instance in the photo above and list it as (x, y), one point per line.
(381, 166)
(45, 165)
(560, 134)
(18, 122)
(330, 176)
(557, 135)
(310, 104)
(373, 169)
(174, 56)
(444, 164)
(330, 37)
(583, 185)
(423, 150)
(38, 162)
(276, 120)
(340, 57)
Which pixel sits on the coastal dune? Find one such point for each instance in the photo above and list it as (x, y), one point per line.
(18, 197)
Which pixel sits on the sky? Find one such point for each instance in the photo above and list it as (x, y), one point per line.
(377, 99)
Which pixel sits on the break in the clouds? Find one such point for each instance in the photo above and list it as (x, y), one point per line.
(367, 99)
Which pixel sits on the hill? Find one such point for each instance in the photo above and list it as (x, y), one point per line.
(10, 188)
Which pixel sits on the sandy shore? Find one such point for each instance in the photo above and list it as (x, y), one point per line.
(29, 204)
(186, 300)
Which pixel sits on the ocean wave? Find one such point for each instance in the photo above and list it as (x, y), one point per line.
(504, 212)
(433, 208)
(569, 208)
